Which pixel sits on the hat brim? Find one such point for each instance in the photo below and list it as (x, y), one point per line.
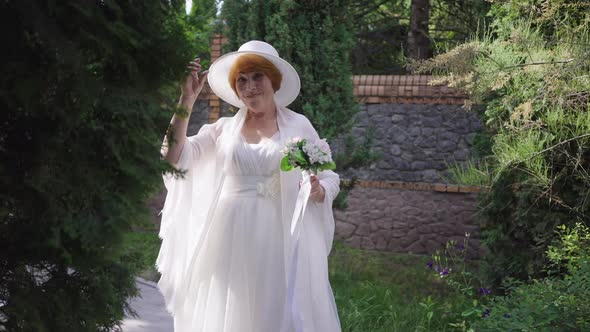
(218, 78)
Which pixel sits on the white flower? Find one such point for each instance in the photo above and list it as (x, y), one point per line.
(318, 152)
(291, 146)
(324, 147)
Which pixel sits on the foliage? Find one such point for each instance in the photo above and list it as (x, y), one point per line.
(532, 75)
(381, 30)
(378, 291)
(455, 21)
(468, 174)
(555, 20)
(551, 304)
(572, 249)
(453, 266)
(556, 303)
(85, 95)
(143, 248)
(356, 152)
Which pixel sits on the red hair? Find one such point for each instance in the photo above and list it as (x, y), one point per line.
(252, 62)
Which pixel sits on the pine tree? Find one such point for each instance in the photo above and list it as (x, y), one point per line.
(85, 95)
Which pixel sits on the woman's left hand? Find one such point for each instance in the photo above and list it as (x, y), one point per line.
(317, 191)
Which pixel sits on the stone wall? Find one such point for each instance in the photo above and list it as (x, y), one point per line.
(410, 221)
(199, 117)
(416, 142)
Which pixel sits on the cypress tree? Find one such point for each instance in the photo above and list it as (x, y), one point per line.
(315, 37)
(85, 100)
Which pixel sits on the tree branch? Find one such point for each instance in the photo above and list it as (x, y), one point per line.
(538, 63)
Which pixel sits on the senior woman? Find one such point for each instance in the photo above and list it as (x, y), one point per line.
(237, 255)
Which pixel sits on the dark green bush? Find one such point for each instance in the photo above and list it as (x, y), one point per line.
(559, 303)
(86, 98)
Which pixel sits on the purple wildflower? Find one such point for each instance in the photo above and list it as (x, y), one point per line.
(484, 291)
(486, 313)
(436, 268)
(444, 272)
(460, 247)
(429, 265)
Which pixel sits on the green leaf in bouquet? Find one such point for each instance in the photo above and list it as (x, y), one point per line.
(301, 143)
(285, 164)
(299, 158)
(328, 166)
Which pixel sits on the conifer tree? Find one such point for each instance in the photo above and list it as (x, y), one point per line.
(84, 107)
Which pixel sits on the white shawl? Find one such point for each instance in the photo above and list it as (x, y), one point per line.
(191, 201)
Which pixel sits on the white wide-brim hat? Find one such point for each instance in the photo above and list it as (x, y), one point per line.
(218, 76)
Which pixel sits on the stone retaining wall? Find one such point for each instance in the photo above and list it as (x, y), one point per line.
(416, 142)
(409, 221)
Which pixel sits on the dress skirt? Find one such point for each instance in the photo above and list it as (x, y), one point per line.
(236, 281)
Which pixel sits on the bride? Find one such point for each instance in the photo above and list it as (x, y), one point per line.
(236, 254)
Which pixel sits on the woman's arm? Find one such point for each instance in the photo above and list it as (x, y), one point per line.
(190, 89)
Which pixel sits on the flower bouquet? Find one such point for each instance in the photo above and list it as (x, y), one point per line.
(309, 156)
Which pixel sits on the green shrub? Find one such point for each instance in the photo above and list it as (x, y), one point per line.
(530, 72)
(559, 303)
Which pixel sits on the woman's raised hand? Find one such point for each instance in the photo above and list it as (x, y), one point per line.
(193, 82)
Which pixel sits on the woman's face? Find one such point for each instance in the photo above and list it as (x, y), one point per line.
(255, 90)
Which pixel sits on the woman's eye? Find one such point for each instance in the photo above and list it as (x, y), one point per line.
(241, 80)
(258, 76)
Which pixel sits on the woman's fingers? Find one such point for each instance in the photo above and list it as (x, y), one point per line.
(317, 193)
(193, 67)
(203, 76)
(315, 183)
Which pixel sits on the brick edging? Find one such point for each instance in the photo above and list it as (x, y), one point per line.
(410, 100)
(417, 186)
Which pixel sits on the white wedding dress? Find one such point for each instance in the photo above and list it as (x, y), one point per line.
(242, 250)
(236, 282)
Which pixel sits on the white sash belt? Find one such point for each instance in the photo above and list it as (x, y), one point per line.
(251, 186)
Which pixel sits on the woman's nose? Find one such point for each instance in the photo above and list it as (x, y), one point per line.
(251, 85)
